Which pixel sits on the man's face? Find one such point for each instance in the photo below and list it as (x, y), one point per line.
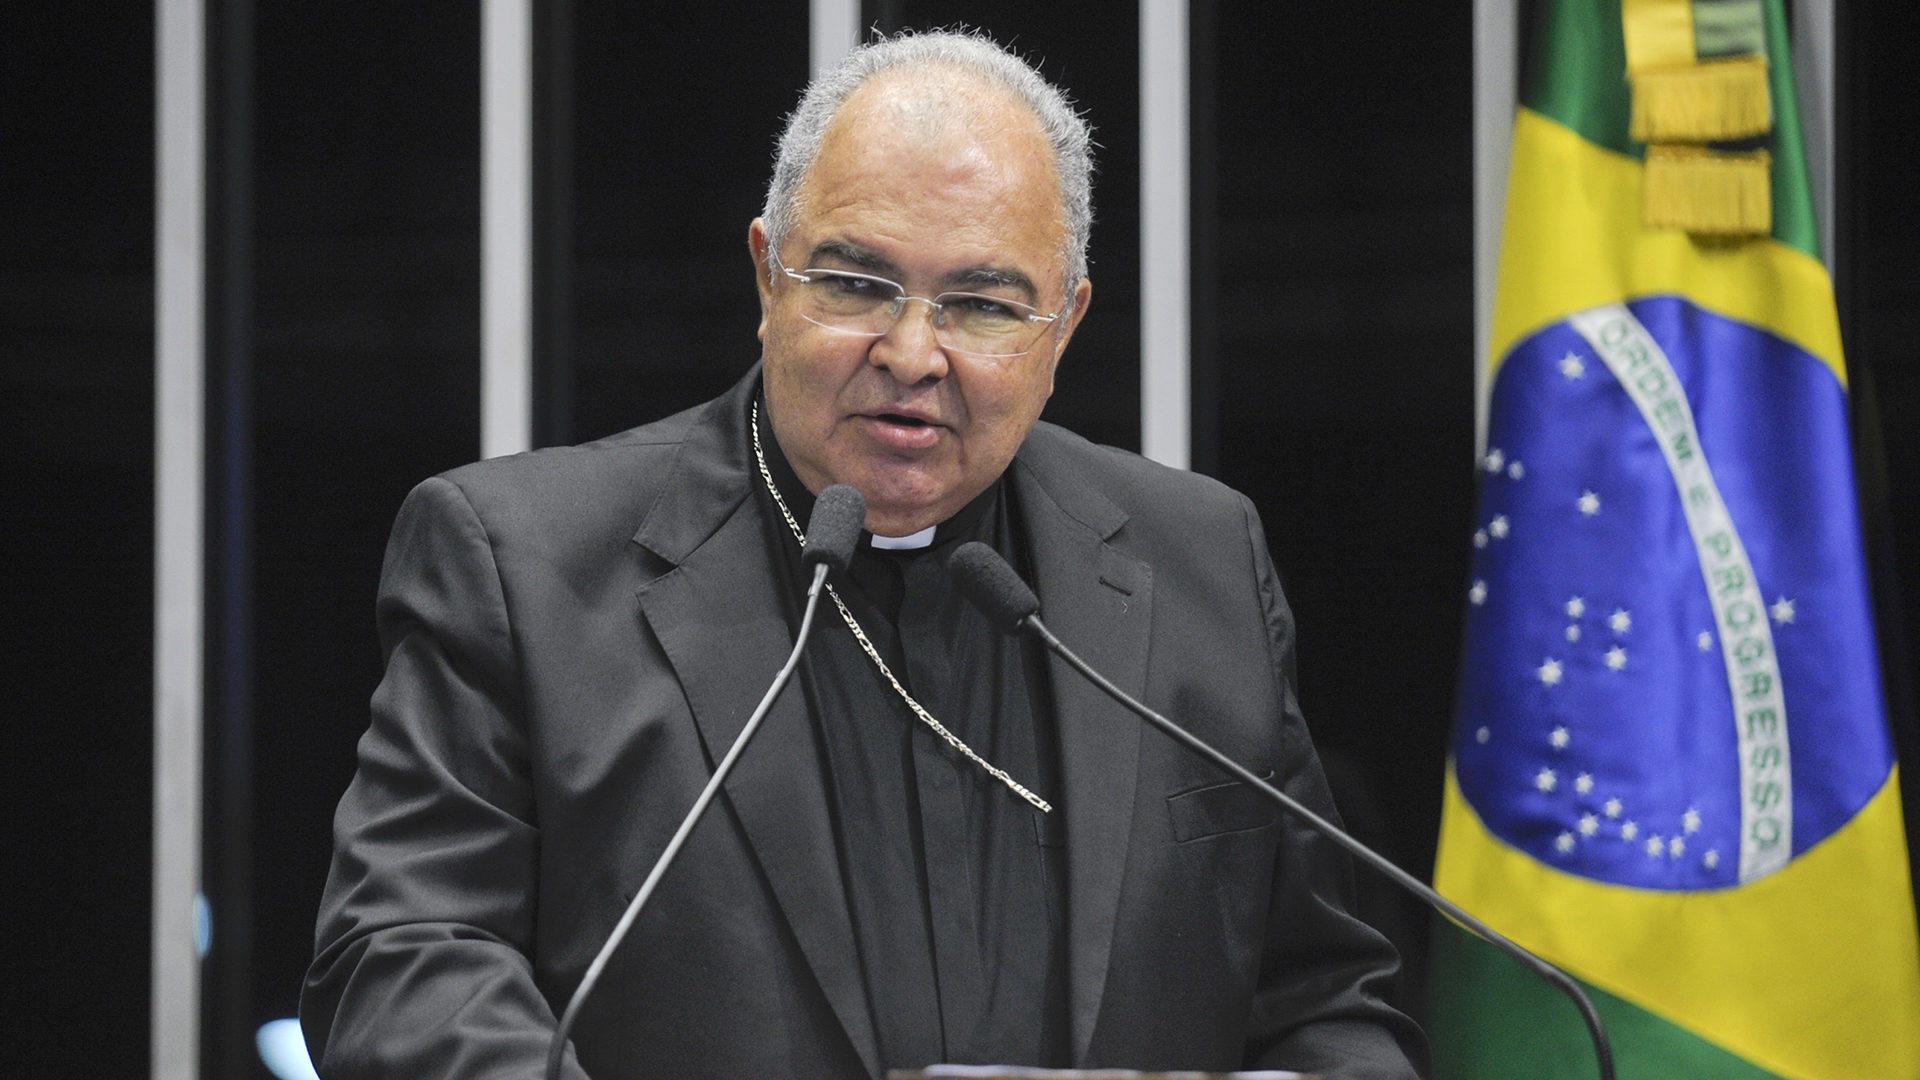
(918, 429)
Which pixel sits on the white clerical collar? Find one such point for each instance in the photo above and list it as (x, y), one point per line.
(905, 543)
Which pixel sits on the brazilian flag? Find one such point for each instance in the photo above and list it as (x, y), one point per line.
(1671, 773)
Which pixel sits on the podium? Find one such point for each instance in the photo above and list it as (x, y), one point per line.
(1005, 1072)
(1016, 1073)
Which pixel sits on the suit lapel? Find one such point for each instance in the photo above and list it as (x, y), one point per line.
(718, 617)
(1099, 601)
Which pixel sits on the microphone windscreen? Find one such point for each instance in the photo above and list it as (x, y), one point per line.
(992, 585)
(834, 529)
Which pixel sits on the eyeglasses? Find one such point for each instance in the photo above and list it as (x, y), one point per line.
(853, 303)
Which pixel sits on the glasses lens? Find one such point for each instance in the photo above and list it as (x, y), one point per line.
(850, 301)
(986, 324)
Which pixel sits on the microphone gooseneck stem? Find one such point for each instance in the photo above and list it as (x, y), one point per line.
(1603, 1050)
(557, 1049)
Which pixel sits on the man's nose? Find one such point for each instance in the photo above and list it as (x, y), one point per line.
(910, 350)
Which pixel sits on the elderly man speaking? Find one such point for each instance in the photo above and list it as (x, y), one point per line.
(939, 848)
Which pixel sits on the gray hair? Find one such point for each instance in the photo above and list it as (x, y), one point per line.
(1066, 131)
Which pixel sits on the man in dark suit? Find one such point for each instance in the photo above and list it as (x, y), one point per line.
(939, 848)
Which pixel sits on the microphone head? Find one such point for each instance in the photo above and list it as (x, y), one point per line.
(834, 529)
(992, 585)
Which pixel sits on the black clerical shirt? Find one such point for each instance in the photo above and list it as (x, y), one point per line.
(957, 885)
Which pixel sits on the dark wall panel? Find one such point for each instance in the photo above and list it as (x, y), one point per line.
(365, 369)
(1878, 277)
(1345, 381)
(676, 112)
(76, 533)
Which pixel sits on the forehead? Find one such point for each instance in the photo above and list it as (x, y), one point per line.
(936, 166)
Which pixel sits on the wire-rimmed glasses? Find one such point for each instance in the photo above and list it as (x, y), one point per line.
(849, 302)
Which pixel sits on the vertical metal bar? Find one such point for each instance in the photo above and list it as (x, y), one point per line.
(1165, 316)
(1813, 76)
(833, 29)
(506, 227)
(179, 498)
(1495, 96)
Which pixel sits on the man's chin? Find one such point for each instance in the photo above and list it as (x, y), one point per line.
(903, 514)
(889, 522)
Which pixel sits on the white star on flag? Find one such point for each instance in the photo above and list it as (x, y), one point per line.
(1571, 367)
(1560, 738)
(1711, 859)
(1782, 610)
(1482, 736)
(1573, 631)
(1478, 594)
(1589, 824)
(1616, 658)
(1589, 503)
(1480, 538)
(1583, 783)
(1498, 527)
(1564, 842)
(1620, 621)
(1655, 846)
(1516, 470)
(1629, 831)
(1495, 459)
(1612, 808)
(1576, 607)
(1705, 641)
(1546, 781)
(1690, 821)
(1549, 672)
(1676, 847)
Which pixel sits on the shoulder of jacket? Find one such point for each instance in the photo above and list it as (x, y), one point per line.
(1140, 486)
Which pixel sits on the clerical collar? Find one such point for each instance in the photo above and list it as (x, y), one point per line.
(909, 542)
(799, 499)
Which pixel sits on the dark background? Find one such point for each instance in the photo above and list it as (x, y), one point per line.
(1333, 348)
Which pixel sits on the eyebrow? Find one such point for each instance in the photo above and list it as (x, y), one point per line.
(872, 262)
(996, 276)
(865, 258)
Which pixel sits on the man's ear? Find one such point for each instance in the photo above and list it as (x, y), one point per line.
(762, 271)
(1082, 296)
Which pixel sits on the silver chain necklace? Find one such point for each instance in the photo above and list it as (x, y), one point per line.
(940, 729)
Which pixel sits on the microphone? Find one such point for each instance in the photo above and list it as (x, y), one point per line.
(834, 529)
(993, 586)
(1009, 604)
(832, 533)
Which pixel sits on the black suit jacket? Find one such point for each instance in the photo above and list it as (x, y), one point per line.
(575, 636)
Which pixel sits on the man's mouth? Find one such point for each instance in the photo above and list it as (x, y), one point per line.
(904, 432)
